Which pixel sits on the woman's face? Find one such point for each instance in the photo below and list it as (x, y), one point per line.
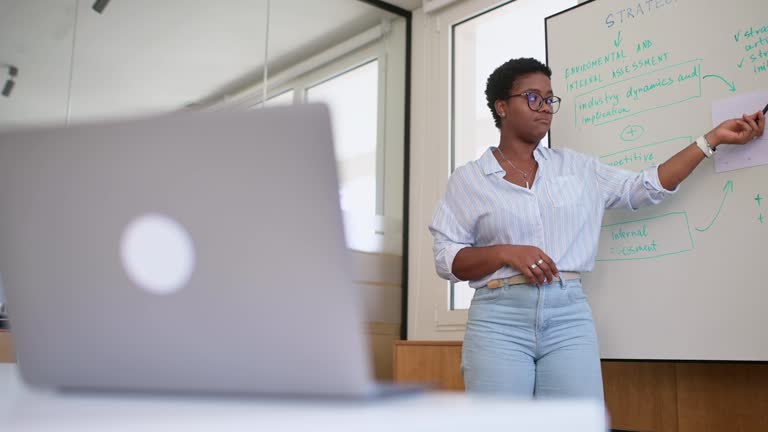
(519, 119)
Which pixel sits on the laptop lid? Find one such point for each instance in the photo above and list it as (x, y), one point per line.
(262, 301)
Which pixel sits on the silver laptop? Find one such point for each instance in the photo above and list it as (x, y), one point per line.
(184, 253)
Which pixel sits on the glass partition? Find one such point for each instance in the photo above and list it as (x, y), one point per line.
(83, 61)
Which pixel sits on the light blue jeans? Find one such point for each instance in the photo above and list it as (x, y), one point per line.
(527, 341)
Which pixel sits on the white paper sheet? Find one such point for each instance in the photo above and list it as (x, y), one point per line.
(733, 157)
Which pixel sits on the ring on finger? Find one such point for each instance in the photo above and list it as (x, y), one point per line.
(540, 262)
(533, 266)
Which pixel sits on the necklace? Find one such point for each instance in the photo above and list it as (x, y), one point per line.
(523, 173)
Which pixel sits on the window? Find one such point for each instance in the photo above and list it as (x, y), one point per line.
(358, 86)
(481, 44)
(353, 101)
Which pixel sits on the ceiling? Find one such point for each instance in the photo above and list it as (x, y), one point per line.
(148, 56)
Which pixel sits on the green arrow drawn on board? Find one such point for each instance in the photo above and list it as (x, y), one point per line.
(731, 85)
(617, 41)
(726, 189)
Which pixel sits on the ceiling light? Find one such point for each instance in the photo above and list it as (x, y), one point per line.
(100, 5)
(13, 72)
(8, 87)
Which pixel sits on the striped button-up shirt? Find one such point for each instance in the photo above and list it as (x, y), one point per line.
(561, 214)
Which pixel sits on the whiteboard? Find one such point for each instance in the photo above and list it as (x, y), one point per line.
(640, 80)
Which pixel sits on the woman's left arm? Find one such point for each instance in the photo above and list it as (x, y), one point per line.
(733, 131)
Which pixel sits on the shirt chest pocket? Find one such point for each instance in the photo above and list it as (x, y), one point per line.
(565, 191)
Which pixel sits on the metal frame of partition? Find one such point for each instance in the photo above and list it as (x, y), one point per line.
(406, 151)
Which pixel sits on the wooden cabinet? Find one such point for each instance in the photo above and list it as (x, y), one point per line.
(640, 396)
(436, 363)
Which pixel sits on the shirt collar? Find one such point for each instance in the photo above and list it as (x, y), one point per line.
(490, 165)
(488, 162)
(542, 151)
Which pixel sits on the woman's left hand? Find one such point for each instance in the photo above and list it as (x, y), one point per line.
(738, 131)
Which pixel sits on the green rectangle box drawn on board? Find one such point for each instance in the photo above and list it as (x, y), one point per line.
(640, 239)
(629, 97)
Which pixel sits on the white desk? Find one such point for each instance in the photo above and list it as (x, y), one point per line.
(25, 409)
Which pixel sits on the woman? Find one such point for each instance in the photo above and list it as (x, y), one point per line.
(522, 222)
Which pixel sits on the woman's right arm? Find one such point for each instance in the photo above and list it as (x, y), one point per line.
(456, 256)
(477, 262)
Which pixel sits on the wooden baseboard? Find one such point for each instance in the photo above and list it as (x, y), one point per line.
(381, 337)
(7, 354)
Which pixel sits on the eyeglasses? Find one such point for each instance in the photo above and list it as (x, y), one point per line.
(536, 101)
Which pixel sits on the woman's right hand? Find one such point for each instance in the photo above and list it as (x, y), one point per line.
(531, 261)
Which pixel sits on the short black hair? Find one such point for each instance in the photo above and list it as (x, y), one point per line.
(503, 79)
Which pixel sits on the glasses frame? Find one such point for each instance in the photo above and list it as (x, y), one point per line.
(550, 101)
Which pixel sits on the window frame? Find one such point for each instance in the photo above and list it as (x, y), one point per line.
(430, 316)
(333, 63)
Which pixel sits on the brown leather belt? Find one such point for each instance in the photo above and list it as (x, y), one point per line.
(520, 279)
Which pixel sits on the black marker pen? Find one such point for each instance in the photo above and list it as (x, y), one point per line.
(765, 110)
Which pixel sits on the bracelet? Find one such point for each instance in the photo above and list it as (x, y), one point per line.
(703, 144)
